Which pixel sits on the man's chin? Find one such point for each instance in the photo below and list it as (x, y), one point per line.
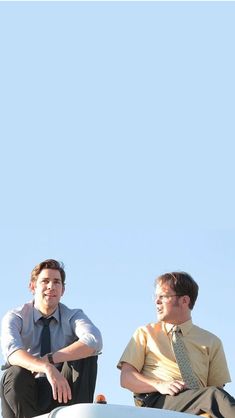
(50, 300)
(50, 305)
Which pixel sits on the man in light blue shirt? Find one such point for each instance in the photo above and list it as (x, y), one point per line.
(38, 379)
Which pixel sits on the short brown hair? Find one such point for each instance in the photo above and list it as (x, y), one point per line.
(48, 264)
(182, 283)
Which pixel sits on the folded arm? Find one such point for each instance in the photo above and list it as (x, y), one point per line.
(74, 351)
(136, 382)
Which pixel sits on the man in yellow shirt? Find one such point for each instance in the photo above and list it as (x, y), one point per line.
(151, 366)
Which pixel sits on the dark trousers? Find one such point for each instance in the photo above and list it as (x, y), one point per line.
(23, 396)
(215, 401)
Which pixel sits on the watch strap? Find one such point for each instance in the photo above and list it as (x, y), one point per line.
(50, 358)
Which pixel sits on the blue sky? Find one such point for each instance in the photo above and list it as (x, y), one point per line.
(117, 157)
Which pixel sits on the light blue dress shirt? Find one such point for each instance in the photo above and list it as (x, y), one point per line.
(21, 329)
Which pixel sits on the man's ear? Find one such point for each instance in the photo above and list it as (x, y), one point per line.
(63, 290)
(32, 286)
(186, 299)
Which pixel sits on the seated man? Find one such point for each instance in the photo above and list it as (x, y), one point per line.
(173, 364)
(48, 348)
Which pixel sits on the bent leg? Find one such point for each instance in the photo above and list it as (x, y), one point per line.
(214, 401)
(6, 410)
(18, 393)
(81, 375)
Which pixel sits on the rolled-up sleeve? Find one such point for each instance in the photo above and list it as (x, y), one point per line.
(10, 334)
(86, 331)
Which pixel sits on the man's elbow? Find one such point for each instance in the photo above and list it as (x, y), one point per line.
(124, 381)
(99, 344)
(13, 358)
(94, 342)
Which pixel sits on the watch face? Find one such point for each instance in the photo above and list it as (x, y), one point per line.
(50, 358)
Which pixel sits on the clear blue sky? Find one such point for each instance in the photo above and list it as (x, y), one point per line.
(117, 157)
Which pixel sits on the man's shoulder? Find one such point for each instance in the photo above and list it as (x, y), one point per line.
(20, 311)
(150, 328)
(65, 311)
(157, 326)
(205, 334)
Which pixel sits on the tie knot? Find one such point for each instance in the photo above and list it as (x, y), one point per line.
(176, 328)
(46, 321)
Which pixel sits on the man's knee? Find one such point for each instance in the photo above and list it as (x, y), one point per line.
(81, 375)
(16, 379)
(219, 397)
(223, 395)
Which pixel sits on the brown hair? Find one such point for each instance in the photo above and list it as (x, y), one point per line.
(182, 283)
(48, 264)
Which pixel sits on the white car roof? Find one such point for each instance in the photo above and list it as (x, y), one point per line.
(87, 410)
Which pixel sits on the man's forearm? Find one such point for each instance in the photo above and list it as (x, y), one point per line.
(74, 351)
(23, 359)
(138, 383)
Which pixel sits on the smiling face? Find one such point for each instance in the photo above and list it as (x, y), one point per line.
(47, 290)
(171, 308)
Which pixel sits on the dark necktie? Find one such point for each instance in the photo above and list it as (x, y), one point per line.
(45, 337)
(182, 359)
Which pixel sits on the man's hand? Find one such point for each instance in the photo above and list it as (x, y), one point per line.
(171, 388)
(60, 388)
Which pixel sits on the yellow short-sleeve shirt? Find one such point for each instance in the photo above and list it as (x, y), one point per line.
(150, 352)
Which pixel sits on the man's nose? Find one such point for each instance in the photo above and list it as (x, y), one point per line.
(50, 284)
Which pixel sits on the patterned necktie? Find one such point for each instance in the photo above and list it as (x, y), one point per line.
(183, 361)
(45, 337)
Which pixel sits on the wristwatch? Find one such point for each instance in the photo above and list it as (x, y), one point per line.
(50, 358)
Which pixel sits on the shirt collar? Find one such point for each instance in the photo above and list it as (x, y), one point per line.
(37, 314)
(185, 327)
